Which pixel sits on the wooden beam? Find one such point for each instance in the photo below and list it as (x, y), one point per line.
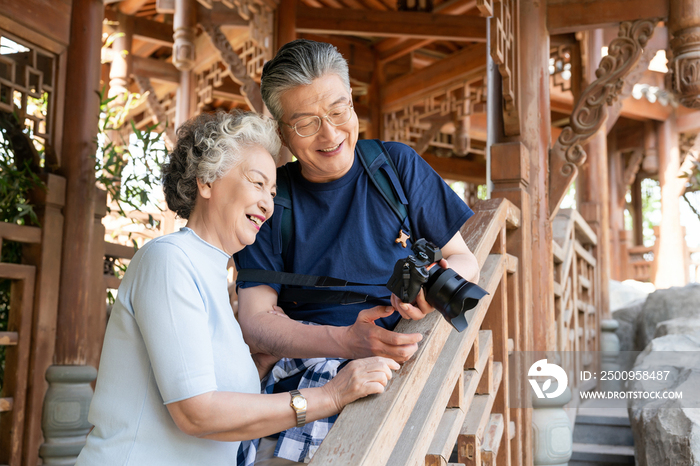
(221, 15)
(130, 7)
(155, 69)
(391, 24)
(575, 15)
(687, 121)
(147, 30)
(462, 63)
(358, 55)
(457, 168)
(642, 110)
(395, 47)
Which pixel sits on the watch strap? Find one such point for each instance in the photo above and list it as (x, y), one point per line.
(301, 413)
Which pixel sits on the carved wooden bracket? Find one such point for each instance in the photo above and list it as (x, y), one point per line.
(684, 67)
(157, 109)
(591, 111)
(237, 67)
(504, 52)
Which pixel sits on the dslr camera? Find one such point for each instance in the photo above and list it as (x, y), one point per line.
(444, 289)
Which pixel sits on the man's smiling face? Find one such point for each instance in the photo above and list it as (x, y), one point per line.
(330, 153)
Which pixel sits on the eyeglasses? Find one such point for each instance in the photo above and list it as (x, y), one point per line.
(308, 126)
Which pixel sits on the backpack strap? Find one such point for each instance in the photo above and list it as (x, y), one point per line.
(383, 174)
(283, 219)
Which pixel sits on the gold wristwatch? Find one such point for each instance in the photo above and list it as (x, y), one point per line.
(298, 404)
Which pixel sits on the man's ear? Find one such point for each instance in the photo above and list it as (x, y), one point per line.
(204, 189)
(282, 138)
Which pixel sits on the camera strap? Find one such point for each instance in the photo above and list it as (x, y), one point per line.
(314, 295)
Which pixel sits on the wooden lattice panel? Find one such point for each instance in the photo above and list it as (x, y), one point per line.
(411, 122)
(27, 83)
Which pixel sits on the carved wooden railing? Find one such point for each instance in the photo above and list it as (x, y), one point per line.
(30, 335)
(17, 341)
(641, 263)
(455, 389)
(575, 293)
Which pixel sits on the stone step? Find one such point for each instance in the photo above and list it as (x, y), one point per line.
(587, 454)
(603, 431)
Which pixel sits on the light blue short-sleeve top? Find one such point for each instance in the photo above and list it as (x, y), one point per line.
(171, 336)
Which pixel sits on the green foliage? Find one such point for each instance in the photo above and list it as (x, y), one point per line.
(129, 189)
(128, 167)
(693, 186)
(16, 181)
(651, 209)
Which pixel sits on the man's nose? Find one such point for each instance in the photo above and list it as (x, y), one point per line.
(328, 130)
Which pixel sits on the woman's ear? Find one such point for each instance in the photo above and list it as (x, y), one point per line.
(204, 189)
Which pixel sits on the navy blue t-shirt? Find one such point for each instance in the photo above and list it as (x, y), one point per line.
(346, 229)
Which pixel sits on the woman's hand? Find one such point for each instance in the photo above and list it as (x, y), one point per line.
(360, 378)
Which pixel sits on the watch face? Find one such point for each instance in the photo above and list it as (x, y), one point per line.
(299, 402)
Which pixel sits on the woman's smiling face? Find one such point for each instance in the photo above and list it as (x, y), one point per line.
(330, 153)
(238, 203)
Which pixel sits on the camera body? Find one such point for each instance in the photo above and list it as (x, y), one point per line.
(444, 289)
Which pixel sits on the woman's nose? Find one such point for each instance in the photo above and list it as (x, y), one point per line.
(267, 205)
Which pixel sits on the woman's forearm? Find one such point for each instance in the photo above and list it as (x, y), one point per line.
(228, 416)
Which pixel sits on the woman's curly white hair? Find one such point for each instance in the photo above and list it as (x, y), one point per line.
(208, 146)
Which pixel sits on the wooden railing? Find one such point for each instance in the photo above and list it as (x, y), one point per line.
(30, 336)
(640, 263)
(455, 389)
(575, 294)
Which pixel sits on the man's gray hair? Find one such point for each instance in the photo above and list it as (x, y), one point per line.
(208, 146)
(298, 63)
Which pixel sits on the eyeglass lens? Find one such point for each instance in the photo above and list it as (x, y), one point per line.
(310, 125)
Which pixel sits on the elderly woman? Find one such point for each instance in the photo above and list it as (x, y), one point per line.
(343, 227)
(177, 384)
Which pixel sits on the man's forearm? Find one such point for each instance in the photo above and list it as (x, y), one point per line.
(465, 265)
(281, 337)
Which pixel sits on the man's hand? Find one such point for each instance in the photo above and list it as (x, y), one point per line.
(265, 362)
(420, 308)
(364, 338)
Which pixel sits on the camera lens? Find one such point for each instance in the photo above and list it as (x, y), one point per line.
(452, 295)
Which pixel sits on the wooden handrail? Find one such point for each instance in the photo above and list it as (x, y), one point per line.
(395, 428)
(575, 289)
(20, 233)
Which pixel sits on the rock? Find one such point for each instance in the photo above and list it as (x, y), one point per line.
(623, 294)
(667, 431)
(679, 326)
(664, 305)
(627, 331)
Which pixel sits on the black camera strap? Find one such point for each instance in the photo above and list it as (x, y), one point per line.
(313, 296)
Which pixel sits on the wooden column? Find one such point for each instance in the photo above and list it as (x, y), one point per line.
(79, 130)
(669, 260)
(286, 17)
(531, 194)
(593, 189)
(46, 257)
(637, 217)
(97, 318)
(519, 172)
(184, 29)
(286, 22)
(617, 188)
(184, 105)
(120, 69)
(374, 129)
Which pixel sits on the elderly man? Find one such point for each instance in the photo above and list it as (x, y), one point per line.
(342, 226)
